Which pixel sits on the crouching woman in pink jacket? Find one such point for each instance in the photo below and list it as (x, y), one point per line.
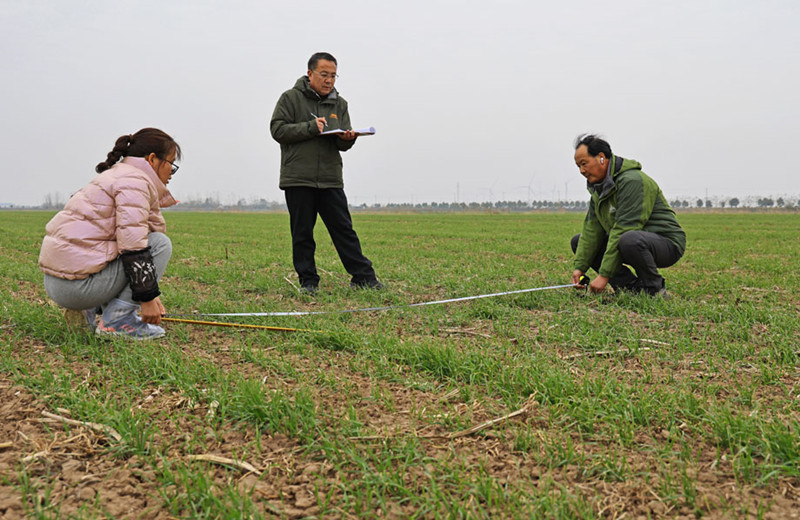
(107, 247)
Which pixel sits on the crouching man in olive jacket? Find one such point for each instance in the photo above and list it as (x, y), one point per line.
(628, 222)
(311, 172)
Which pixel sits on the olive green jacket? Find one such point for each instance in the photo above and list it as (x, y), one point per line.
(632, 201)
(308, 159)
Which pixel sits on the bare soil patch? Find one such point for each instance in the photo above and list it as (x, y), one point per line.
(74, 471)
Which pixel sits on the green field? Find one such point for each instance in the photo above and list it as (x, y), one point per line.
(625, 407)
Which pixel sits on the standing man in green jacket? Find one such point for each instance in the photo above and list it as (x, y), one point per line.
(311, 172)
(628, 222)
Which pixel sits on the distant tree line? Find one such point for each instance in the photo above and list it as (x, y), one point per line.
(734, 202)
(505, 206)
(54, 201)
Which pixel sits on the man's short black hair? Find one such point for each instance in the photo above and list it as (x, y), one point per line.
(314, 59)
(594, 144)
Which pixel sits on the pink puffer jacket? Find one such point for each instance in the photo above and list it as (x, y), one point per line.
(113, 213)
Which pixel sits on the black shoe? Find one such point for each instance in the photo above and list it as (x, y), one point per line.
(633, 287)
(371, 283)
(310, 289)
(625, 280)
(658, 292)
(663, 294)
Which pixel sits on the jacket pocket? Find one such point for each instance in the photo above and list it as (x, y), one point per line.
(290, 156)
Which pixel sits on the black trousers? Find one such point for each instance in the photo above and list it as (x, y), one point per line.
(642, 250)
(304, 205)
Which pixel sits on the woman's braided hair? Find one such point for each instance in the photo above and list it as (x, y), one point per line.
(141, 144)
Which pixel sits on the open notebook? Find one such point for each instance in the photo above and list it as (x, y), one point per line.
(360, 131)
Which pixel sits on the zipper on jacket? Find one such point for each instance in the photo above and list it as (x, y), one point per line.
(319, 153)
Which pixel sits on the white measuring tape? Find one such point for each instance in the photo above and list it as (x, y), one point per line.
(373, 309)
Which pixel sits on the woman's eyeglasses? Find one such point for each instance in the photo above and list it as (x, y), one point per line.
(174, 166)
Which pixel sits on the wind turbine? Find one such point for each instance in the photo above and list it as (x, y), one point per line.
(491, 193)
(530, 190)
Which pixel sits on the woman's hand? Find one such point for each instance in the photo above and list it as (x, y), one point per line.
(152, 311)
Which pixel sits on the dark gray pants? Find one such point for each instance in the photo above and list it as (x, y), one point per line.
(642, 250)
(304, 205)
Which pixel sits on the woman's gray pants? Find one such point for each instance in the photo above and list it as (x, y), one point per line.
(100, 288)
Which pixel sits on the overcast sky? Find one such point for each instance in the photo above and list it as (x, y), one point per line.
(472, 100)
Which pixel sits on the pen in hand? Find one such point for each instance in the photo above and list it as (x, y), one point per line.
(324, 122)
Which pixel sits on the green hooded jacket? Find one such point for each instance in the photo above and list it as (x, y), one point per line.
(308, 159)
(633, 201)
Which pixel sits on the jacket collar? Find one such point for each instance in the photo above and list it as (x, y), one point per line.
(165, 198)
(605, 186)
(303, 85)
